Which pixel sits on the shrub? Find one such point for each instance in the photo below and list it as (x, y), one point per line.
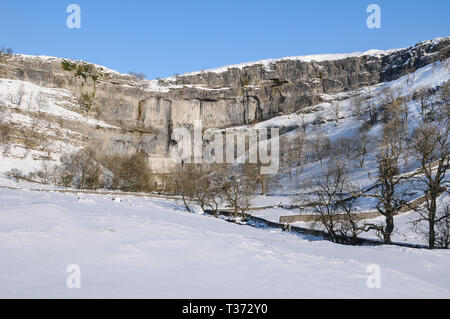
(80, 170)
(6, 51)
(131, 173)
(15, 174)
(84, 70)
(66, 180)
(68, 66)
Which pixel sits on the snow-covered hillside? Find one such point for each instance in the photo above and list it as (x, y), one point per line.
(132, 247)
(45, 123)
(429, 77)
(288, 188)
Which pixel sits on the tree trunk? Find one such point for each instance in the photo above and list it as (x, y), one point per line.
(388, 229)
(431, 235)
(432, 218)
(186, 204)
(263, 185)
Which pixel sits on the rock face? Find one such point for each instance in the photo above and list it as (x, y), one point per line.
(148, 111)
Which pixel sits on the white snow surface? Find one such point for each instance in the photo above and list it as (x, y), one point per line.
(151, 248)
(57, 102)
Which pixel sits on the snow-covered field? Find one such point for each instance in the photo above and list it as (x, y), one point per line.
(141, 247)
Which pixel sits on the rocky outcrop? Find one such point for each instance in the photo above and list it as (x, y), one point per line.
(148, 111)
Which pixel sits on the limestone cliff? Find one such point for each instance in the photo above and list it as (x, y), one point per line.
(147, 111)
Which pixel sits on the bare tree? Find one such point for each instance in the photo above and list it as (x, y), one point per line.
(343, 147)
(287, 155)
(320, 145)
(208, 187)
(429, 144)
(443, 230)
(304, 124)
(372, 113)
(238, 189)
(357, 106)
(33, 104)
(6, 51)
(389, 198)
(44, 172)
(203, 190)
(30, 102)
(444, 93)
(395, 114)
(393, 105)
(293, 153)
(214, 191)
(254, 172)
(200, 185)
(17, 98)
(300, 146)
(41, 102)
(424, 99)
(336, 112)
(185, 178)
(329, 197)
(410, 77)
(362, 147)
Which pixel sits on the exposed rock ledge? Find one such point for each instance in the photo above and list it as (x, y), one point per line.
(149, 110)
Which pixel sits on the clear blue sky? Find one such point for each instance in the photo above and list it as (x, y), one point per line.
(161, 38)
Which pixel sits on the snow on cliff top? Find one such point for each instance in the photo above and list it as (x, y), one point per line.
(266, 63)
(46, 58)
(305, 58)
